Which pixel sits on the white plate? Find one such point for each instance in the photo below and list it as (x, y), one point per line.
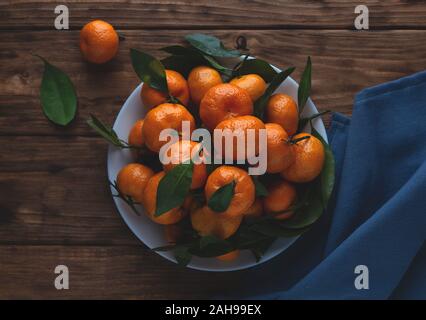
(152, 234)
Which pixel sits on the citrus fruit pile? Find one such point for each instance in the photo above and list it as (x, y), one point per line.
(210, 209)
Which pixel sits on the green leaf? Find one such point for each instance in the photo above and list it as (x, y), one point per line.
(181, 64)
(210, 45)
(261, 190)
(260, 104)
(216, 65)
(150, 70)
(176, 50)
(257, 66)
(328, 170)
(174, 187)
(273, 228)
(259, 249)
(304, 90)
(57, 95)
(304, 121)
(221, 199)
(210, 246)
(186, 59)
(106, 132)
(182, 255)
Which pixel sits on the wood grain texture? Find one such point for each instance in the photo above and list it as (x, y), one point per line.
(219, 14)
(99, 272)
(55, 204)
(344, 62)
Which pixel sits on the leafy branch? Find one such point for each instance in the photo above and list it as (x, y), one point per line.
(127, 199)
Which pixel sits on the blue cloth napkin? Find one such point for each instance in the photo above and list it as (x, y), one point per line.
(377, 214)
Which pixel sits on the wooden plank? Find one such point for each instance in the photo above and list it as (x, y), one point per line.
(101, 272)
(55, 190)
(142, 14)
(344, 62)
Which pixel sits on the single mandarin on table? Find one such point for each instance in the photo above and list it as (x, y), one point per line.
(244, 190)
(150, 203)
(224, 101)
(282, 109)
(253, 83)
(98, 41)
(164, 116)
(200, 80)
(178, 88)
(132, 180)
(309, 159)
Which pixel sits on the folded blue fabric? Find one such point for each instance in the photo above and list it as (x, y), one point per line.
(377, 215)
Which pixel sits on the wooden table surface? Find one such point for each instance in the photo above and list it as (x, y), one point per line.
(55, 204)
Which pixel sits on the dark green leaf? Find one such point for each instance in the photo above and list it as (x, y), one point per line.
(127, 199)
(259, 249)
(259, 106)
(221, 199)
(304, 90)
(304, 121)
(174, 187)
(261, 190)
(185, 59)
(165, 248)
(181, 64)
(211, 166)
(177, 50)
(327, 173)
(182, 255)
(105, 131)
(149, 70)
(257, 66)
(216, 65)
(57, 95)
(273, 228)
(210, 45)
(210, 246)
(198, 196)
